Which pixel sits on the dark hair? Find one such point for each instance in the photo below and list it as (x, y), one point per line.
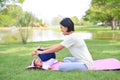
(67, 22)
(37, 67)
(34, 63)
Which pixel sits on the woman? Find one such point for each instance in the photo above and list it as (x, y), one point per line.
(81, 60)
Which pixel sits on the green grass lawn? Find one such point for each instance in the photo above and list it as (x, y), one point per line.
(15, 57)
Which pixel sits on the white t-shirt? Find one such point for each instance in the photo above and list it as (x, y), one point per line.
(78, 49)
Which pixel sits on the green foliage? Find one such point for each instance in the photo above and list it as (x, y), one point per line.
(26, 19)
(11, 13)
(75, 20)
(4, 3)
(21, 1)
(106, 11)
(6, 20)
(14, 11)
(83, 22)
(103, 10)
(40, 21)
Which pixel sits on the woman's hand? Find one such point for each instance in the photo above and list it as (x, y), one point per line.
(36, 52)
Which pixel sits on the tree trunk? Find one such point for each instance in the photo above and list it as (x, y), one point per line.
(113, 25)
(119, 24)
(24, 36)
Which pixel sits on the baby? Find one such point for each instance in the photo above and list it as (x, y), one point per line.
(46, 65)
(45, 61)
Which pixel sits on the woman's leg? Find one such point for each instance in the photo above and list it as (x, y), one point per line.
(69, 59)
(72, 66)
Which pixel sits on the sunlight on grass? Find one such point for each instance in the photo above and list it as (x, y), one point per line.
(112, 52)
(114, 42)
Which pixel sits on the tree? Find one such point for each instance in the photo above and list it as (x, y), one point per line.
(10, 11)
(13, 11)
(104, 11)
(4, 3)
(26, 20)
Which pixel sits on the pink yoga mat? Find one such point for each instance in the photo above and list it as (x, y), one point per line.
(106, 64)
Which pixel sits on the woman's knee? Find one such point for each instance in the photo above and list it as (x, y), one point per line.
(69, 59)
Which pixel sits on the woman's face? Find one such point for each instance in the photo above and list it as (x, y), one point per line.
(64, 30)
(38, 63)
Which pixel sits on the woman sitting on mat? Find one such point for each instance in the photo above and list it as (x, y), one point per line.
(81, 58)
